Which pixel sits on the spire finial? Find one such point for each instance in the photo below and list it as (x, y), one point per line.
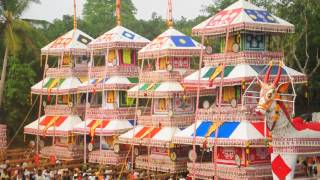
(74, 15)
(169, 14)
(118, 16)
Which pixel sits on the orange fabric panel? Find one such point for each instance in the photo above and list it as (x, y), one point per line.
(141, 132)
(46, 120)
(153, 132)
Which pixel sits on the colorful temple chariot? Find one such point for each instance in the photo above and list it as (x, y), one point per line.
(65, 69)
(229, 140)
(168, 105)
(113, 69)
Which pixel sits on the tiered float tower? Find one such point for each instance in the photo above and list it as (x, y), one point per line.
(229, 140)
(65, 68)
(168, 106)
(113, 69)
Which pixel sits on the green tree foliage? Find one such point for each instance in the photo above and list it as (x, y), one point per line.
(99, 15)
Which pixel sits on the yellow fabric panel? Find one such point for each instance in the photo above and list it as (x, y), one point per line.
(162, 63)
(216, 72)
(65, 99)
(83, 79)
(230, 43)
(110, 97)
(109, 140)
(162, 104)
(66, 60)
(213, 128)
(112, 56)
(229, 93)
(127, 56)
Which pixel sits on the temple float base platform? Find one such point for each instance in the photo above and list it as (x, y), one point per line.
(108, 157)
(161, 163)
(65, 153)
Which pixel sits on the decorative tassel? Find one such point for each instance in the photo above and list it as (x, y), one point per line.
(306, 91)
(30, 98)
(210, 83)
(48, 99)
(243, 84)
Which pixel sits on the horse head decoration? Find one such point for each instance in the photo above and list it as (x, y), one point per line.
(289, 137)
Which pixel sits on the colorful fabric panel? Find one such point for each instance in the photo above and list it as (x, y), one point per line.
(182, 41)
(260, 16)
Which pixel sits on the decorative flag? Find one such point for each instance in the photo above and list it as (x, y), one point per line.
(260, 16)
(128, 35)
(182, 41)
(280, 168)
(84, 40)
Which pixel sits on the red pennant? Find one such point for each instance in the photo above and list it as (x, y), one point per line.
(210, 83)
(280, 168)
(48, 99)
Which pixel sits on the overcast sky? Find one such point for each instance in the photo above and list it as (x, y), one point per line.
(52, 9)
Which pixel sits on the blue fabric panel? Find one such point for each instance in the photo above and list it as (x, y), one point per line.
(182, 41)
(203, 128)
(128, 35)
(260, 16)
(226, 129)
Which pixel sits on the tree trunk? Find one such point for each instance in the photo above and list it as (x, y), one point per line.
(3, 76)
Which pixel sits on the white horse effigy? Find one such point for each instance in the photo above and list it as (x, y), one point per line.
(290, 137)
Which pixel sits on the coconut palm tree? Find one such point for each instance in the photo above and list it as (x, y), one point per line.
(13, 31)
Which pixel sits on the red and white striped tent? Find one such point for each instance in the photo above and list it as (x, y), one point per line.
(103, 127)
(53, 125)
(153, 136)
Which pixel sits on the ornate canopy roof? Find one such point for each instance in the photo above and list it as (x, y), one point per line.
(242, 15)
(119, 37)
(73, 42)
(234, 75)
(171, 43)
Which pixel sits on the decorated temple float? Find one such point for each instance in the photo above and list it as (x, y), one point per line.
(113, 69)
(164, 63)
(65, 69)
(229, 140)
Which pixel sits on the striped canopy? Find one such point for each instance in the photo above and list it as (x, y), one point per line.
(243, 15)
(50, 85)
(119, 37)
(234, 75)
(112, 83)
(157, 90)
(154, 136)
(73, 42)
(53, 125)
(228, 133)
(106, 127)
(171, 43)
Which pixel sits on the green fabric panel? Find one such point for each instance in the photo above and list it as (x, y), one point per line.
(238, 92)
(144, 87)
(48, 83)
(227, 70)
(133, 79)
(209, 72)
